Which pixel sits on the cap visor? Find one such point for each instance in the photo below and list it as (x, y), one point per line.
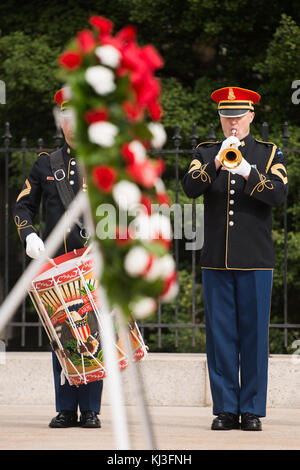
(233, 112)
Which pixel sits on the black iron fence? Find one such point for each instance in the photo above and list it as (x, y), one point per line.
(26, 332)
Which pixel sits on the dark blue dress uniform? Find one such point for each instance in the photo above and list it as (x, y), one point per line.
(237, 263)
(40, 186)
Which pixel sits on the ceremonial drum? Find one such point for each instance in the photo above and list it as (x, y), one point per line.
(64, 295)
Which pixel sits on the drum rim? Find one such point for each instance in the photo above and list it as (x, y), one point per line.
(62, 258)
(59, 260)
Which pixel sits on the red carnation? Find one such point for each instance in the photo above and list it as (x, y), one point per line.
(143, 173)
(96, 115)
(85, 41)
(122, 235)
(104, 177)
(159, 166)
(70, 60)
(132, 111)
(151, 56)
(126, 34)
(147, 202)
(168, 282)
(155, 110)
(127, 153)
(163, 198)
(147, 90)
(104, 25)
(112, 41)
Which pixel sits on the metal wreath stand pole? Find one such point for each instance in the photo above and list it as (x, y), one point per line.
(134, 369)
(137, 379)
(79, 205)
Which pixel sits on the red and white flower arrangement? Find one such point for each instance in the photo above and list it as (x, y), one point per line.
(116, 100)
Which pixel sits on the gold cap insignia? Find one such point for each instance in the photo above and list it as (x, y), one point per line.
(231, 95)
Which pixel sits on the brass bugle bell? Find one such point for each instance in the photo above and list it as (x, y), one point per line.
(231, 157)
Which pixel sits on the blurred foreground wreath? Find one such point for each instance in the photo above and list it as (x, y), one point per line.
(115, 98)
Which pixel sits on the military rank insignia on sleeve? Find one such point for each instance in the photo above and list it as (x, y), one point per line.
(279, 169)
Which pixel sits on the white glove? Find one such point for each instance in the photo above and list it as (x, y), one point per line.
(227, 143)
(34, 245)
(243, 169)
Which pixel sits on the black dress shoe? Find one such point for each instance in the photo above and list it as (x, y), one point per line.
(250, 422)
(225, 421)
(64, 419)
(89, 419)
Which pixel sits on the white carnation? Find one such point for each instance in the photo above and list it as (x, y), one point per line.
(138, 149)
(151, 227)
(102, 133)
(171, 293)
(159, 186)
(160, 225)
(101, 79)
(67, 93)
(136, 261)
(159, 136)
(108, 55)
(126, 194)
(154, 271)
(167, 265)
(144, 307)
(141, 227)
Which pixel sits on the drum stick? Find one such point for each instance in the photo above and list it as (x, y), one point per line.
(85, 254)
(51, 260)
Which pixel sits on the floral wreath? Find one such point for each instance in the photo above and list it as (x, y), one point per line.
(114, 94)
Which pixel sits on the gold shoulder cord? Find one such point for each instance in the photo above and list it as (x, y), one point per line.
(206, 143)
(278, 166)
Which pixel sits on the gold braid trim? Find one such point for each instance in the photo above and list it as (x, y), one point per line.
(21, 225)
(263, 183)
(25, 191)
(275, 170)
(198, 170)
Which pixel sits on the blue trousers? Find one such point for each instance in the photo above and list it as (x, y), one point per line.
(69, 397)
(237, 308)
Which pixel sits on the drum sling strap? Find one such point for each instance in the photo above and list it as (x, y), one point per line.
(63, 186)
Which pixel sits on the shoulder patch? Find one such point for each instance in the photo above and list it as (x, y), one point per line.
(279, 153)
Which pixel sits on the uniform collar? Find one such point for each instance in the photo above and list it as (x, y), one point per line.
(67, 150)
(247, 140)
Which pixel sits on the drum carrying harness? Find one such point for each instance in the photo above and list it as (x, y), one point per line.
(63, 186)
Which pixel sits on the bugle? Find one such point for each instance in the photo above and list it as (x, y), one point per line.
(231, 157)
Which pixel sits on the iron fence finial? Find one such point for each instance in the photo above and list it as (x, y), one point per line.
(211, 134)
(265, 131)
(194, 137)
(177, 137)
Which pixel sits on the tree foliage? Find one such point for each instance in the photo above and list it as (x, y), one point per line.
(206, 44)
